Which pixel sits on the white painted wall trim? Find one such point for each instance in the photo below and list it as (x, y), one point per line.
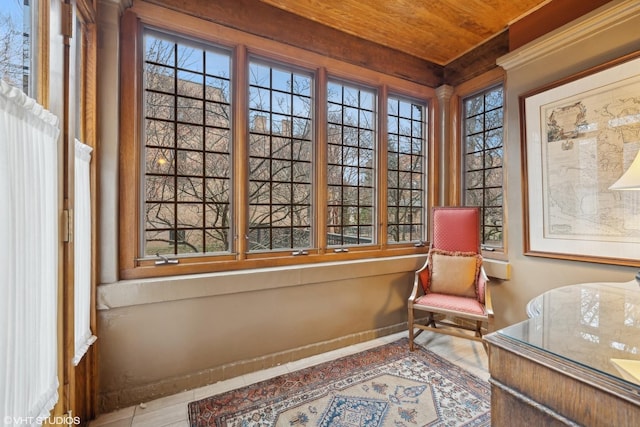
(600, 20)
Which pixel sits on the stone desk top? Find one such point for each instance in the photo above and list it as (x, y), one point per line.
(589, 324)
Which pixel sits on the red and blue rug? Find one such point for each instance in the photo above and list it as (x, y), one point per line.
(384, 386)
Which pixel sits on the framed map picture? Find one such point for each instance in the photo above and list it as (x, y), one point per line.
(579, 135)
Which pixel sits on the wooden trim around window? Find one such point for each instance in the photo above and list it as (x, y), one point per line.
(239, 152)
(320, 183)
(42, 77)
(129, 162)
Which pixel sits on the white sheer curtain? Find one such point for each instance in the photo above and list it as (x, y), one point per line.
(28, 257)
(82, 251)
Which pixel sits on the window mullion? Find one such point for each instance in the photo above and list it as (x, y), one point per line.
(240, 143)
(270, 131)
(382, 179)
(203, 202)
(320, 195)
(176, 157)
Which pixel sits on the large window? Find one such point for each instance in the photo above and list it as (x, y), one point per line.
(483, 155)
(187, 165)
(280, 158)
(405, 174)
(351, 165)
(237, 156)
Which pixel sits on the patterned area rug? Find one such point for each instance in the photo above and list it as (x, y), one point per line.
(384, 386)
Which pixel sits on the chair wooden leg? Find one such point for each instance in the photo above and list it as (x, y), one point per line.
(478, 328)
(431, 321)
(410, 324)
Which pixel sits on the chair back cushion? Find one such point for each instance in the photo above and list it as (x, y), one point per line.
(456, 228)
(454, 273)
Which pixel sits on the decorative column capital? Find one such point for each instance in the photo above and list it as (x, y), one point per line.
(122, 5)
(444, 92)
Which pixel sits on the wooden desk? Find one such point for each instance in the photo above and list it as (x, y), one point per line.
(556, 368)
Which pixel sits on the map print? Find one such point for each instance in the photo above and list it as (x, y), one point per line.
(588, 143)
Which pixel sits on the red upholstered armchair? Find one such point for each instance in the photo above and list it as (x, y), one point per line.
(451, 288)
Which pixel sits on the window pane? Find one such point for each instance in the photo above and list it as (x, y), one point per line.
(17, 42)
(474, 179)
(406, 150)
(159, 133)
(493, 226)
(351, 169)
(493, 98)
(473, 105)
(473, 197)
(189, 137)
(493, 177)
(483, 136)
(280, 153)
(159, 189)
(474, 143)
(474, 124)
(186, 140)
(190, 189)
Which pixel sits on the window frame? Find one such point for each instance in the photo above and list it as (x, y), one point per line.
(424, 173)
(374, 166)
(485, 81)
(178, 173)
(280, 67)
(244, 47)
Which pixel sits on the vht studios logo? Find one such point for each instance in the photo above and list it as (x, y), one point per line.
(59, 420)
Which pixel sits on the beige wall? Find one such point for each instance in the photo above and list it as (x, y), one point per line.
(160, 336)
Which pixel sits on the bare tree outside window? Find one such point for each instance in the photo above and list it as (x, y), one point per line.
(280, 158)
(405, 170)
(351, 165)
(15, 44)
(483, 136)
(187, 136)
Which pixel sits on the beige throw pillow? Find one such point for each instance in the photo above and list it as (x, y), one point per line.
(454, 273)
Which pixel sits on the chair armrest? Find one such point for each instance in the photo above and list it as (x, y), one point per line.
(488, 305)
(417, 287)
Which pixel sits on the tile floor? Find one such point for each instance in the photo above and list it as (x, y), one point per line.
(171, 411)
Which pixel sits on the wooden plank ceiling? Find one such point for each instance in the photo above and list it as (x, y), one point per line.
(438, 31)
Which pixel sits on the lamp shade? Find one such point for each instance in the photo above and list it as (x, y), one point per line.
(630, 180)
